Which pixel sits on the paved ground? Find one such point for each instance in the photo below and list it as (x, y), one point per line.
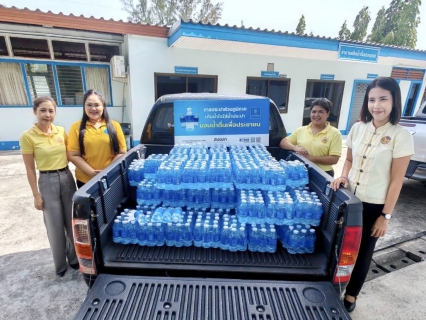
(29, 288)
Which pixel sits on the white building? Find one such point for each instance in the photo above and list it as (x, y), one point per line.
(189, 57)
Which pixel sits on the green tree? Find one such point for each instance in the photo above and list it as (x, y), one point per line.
(361, 25)
(301, 26)
(344, 33)
(398, 24)
(167, 12)
(377, 31)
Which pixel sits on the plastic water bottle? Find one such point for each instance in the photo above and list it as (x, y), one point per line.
(179, 235)
(271, 240)
(116, 231)
(133, 234)
(301, 248)
(159, 234)
(125, 235)
(294, 242)
(310, 241)
(187, 234)
(142, 234)
(198, 235)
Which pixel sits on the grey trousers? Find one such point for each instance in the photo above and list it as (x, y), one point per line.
(57, 190)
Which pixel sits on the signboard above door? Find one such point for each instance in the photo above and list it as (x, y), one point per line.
(358, 53)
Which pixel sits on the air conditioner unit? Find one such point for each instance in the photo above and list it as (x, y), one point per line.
(117, 67)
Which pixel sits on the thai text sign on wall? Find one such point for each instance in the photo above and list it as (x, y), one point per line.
(243, 121)
(186, 70)
(358, 53)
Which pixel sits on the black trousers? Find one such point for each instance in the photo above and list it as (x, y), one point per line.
(370, 213)
(80, 184)
(331, 173)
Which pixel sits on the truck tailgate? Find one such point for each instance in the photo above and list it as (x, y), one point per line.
(136, 297)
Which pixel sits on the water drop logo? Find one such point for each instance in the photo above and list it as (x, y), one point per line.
(106, 131)
(255, 113)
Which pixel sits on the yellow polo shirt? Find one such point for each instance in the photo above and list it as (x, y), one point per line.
(327, 142)
(97, 146)
(48, 149)
(372, 153)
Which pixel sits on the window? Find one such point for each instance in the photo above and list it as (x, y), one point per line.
(102, 53)
(3, 47)
(332, 90)
(70, 84)
(69, 50)
(40, 80)
(98, 79)
(275, 89)
(12, 87)
(30, 48)
(176, 83)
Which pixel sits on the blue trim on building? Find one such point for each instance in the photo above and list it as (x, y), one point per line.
(27, 87)
(83, 77)
(9, 145)
(346, 131)
(57, 88)
(415, 99)
(82, 65)
(110, 86)
(217, 32)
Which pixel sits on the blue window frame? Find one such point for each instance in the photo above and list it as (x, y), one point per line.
(65, 82)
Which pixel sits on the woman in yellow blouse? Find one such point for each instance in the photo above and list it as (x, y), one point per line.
(94, 141)
(44, 145)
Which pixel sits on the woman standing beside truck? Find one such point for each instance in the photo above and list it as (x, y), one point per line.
(379, 151)
(319, 142)
(44, 145)
(95, 141)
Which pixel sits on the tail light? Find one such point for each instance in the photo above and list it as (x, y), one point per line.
(348, 254)
(83, 245)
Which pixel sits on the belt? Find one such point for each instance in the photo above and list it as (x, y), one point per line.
(54, 171)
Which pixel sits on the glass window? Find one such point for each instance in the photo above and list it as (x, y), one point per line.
(170, 85)
(3, 47)
(275, 89)
(70, 84)
(165, 118)
(103, 53)
(40, 80)
(12, 88)
(69, 51)
(198, 85)
(98, 79)
(30, 48)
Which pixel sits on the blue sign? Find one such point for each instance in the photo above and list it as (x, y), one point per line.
(358, 53)
(186, 70)
(222, 121)
(327, 77)
(269, 74)
(372, 75)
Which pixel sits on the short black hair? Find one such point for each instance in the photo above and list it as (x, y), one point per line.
(322, 102)
(386, 83)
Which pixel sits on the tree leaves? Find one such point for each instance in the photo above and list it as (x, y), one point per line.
(301, 26)
(167, 12)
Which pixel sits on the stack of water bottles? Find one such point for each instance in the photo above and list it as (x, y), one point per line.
(151, 165)
(148, 193)
(296, 173)
(233, 236)
(262, 238)
(297, 239)
(307, 207)
(136, 170)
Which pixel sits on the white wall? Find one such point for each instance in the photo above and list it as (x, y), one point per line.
(150, 55)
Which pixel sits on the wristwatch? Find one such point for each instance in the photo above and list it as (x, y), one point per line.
(387, 216)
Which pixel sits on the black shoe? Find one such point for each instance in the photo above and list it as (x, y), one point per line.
(75, 266)
(62, 273)
(350, 306)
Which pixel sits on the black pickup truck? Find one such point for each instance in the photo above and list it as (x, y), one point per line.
(137, 282)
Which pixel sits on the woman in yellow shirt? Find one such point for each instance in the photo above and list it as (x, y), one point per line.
(94, 141)
(44, 145)
(319, 142)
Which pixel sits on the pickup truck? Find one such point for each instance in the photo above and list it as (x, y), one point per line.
(137, 282)
(417, 126)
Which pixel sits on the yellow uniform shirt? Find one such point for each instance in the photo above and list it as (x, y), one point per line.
(327, 142)
(97, 146)
(48, 149)
(372, 153)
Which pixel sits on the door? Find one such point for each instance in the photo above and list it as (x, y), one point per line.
(360, 87)
(413, 94)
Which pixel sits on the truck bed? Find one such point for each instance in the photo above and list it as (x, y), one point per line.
(219, 299)
(108, 199)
